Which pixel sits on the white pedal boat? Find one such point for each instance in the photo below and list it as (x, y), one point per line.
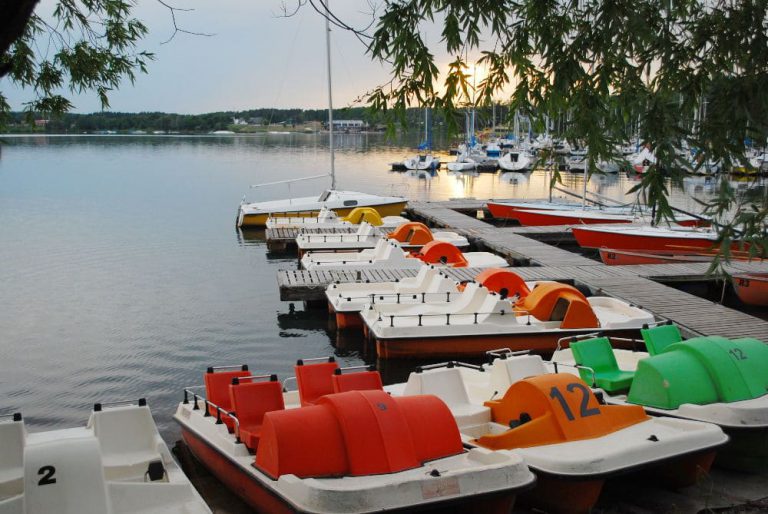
(554, 422)
(117, 463)
(477, 321)
(256, 214)
(389, 254)
(327, 219)
(340, 452)
(411, 236)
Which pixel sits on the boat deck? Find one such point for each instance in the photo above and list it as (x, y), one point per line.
(284, 239)
(537, 260)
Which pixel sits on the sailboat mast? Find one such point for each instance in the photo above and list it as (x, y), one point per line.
(330, 92)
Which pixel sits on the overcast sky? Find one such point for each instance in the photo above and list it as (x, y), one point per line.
(255, 58)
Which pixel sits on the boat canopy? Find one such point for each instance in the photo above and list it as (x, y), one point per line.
(358, 215)
(554, 301)
(412, 234)
(701, 371)
(506, 283)
(357, 433)
(554, 408)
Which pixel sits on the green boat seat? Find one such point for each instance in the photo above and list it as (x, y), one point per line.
(598, 354)
(658, 338)
(701, 371)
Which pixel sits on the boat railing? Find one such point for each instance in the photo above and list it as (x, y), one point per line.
(365, 367)
(657, 324)
(197, 398)
(573, 339)
(398, 296)
(448, 315)
(591, 371)
(98, 407)
(449, 365)
(337, 238)
(504, 353)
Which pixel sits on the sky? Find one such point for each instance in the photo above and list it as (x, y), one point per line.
(254, 58)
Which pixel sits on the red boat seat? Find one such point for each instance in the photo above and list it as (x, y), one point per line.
(250, 401)
(217, 390)
(441, 252)
(314, 380)
(360, 381)
(412, 234)
(357, 433)
(554, 301)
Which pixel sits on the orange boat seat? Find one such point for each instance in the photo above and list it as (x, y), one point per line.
(314, 380)
(357, 433)
(554, 301)
(441, 252)
(250, 401)
(448, 385)
(506, 283)
(368, 380)
(412, 234)
(217, 389)
(554, 408)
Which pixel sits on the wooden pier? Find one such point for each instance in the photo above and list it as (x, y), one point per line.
(536, 260)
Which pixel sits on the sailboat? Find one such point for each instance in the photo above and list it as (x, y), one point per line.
(424, 160)
(342, 202)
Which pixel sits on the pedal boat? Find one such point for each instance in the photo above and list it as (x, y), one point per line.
(345, 301)
(343, 446)
(410, 235)
(117, 463)
(478, 320)
(389, 254)
(342, 202)
(571, 441)
(327, 219)
(710, 379)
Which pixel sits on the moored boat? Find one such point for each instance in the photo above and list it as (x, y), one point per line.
(349, 447)
(570, 440)
(327, 218)
(517, 161)
(646, 238)
(117, 463)
(614, 257)
(752, 288)
(478, 320)
(342, 202)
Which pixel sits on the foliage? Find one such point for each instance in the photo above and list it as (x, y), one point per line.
(85, 45)
(679, 73)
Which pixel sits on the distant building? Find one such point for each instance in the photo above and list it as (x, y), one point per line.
(41, 123)
(258, 120)
(348, 125)
(239, 121)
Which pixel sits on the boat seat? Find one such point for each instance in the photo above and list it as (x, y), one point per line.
(658, 338)
(448, 385)
(128, 439)
(598, 354)
(72, 476)
(314, 380)
(217, 390)
(358, 381)
(12, 439)
(250, 401)
(507, 371)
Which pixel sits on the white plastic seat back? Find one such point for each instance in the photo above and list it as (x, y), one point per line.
(379, 251)
(365, 229)
(505, 372)
(471, 300)
(12, 437)
(127, 435)
(448, 385)
(65, 476)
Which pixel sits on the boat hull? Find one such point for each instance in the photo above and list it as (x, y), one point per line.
(260, 219)
(746, 451)
(751, 289)
(476, 346)
(619, 241)
(543, 219)
(263, 500)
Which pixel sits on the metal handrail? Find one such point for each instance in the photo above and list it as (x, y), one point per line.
(219, 411)
(448, 315)
(15, 416)
(575, 338)
(285, 383)
(504, 353)
(243, 367)
(366, 367)
(577, 366)
(449, 365)
(142, 402)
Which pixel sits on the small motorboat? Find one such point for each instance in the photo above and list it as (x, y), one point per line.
(505, 209)
(411, 235)
(345, 301)
(752, 288)
(117, 463)
(340, 444)
(517, 161)
(422, 162)
(710, 379)
(646, 238)
(389, 254)
(463, 162)
(573, 442)
(327, 218)
(478, 320)
(342, 202)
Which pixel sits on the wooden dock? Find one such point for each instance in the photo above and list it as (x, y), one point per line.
(537, 260)
(284, 239)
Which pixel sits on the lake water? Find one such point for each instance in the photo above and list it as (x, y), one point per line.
(123, 274)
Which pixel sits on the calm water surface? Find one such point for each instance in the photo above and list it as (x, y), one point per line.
(123, 274)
